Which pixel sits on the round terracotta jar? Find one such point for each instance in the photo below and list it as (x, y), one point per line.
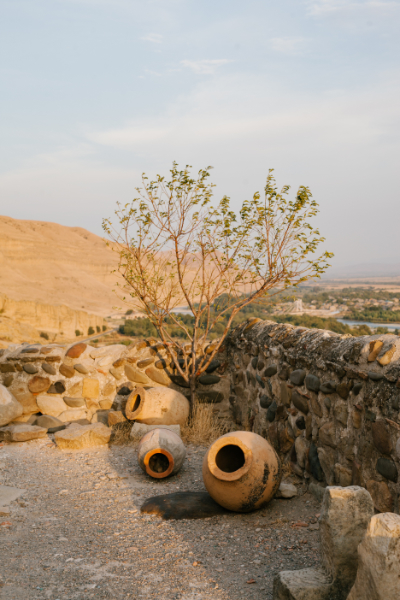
(241, 471)
(157, 406)
(161, 453)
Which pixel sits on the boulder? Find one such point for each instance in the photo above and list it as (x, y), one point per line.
(10, 408)
(379, 560)
(52, 424)
(83, 436)
(51, 405)
(22, 433)
(136, 375)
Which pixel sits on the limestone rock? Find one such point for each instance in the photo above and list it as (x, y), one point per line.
(344, 519)
(91, 388)
(158, 376)
(379, 560)
(136, 375)
(74, 402)
(306, 584)
(81, 369)
(74, 414)
(10, 408)
(83, 436)
(286, 490)
(51, 405)
(22, 433)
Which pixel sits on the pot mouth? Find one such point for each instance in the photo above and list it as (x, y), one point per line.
(159, 463)
(135, 403)
(229, 459)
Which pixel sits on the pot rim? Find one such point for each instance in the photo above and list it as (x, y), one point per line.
(138, 391)
(216, 447)
(153, 473)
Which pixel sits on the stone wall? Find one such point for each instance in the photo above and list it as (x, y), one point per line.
(80, 382)
(328, 403)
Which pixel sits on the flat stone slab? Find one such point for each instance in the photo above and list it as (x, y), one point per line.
(8, 494)
(305, 584)
(183, 505)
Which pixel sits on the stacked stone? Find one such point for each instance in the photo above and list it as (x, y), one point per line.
(56, 385)
(328, 403)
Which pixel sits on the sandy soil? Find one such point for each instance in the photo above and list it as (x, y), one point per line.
(77, 532)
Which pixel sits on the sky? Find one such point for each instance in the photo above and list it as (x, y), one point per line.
(96, 92)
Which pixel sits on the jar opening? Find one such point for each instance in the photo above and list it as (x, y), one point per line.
(230, 458)
(159, 463)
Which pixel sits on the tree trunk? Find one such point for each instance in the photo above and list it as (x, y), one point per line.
(192, 384)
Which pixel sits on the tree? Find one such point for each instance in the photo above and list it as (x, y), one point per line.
(104, 328)
(77, 332)
(90, 330)
(175, 247)
(98, 329)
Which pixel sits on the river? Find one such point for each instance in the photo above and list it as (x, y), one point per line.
(390, 326)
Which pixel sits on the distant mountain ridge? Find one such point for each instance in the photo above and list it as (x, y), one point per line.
(56, 265)
(364, 270)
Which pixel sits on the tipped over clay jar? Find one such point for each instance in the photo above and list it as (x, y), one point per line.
(241, 471)
(161, 453)
(157, 406)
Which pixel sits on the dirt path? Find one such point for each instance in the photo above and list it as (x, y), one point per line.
(77, 533)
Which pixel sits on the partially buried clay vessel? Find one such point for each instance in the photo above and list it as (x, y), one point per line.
(241, 471)
(157, 406)
(161, 453)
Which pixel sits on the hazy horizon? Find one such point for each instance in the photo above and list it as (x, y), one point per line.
(97, 91)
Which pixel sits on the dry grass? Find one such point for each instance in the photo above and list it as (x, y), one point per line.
(121, 434)
(203, 427)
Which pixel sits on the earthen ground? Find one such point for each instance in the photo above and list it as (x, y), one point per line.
(77, 532)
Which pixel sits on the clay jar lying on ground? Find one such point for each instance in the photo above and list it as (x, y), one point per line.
(157, 406)
(161, 452)
(241, 471)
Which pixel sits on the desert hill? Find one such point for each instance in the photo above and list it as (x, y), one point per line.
(52, 264)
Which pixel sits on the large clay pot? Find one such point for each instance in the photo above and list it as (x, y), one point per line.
(157, 406)
(161, 452)
(241, 471)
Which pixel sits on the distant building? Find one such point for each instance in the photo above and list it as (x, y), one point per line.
(297, 306)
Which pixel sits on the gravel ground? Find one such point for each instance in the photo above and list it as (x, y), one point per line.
(77, 532)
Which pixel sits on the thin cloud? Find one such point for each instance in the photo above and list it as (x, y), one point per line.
(330, 7)
(154, 38)
(205, 67)
(289, 45)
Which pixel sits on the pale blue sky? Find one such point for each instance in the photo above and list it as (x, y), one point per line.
(93, 92)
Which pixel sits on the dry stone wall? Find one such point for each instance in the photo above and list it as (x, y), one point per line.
(58, 384)
(328, 403)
